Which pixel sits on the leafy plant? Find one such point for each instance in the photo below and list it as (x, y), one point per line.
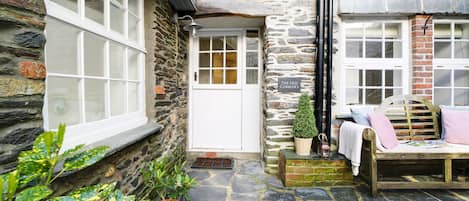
(35, 171)
(304, 125)
(167, 181)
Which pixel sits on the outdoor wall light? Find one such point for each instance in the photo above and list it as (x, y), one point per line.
(192, 27)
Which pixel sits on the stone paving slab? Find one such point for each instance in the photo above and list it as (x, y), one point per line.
(248, 182)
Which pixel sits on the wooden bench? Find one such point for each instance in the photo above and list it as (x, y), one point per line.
(413, 119)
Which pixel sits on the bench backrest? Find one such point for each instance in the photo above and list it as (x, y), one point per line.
(413, 117)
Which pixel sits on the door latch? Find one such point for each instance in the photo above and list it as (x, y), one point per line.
(195, 76)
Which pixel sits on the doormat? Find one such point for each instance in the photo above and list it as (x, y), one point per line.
(213, 163)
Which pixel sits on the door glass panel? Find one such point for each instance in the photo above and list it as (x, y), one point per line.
(392, 92)
(118, 97)
(373, 49)
(461, 97)
(393, 49)
(442, 31)
(252, 59)
(354, 49)
(94, 100)
(442, 49)
(392, 31)
(442, 78)
(354, 78)
(217, 43)
(204, 76)
(461, 49)
(204, 60)
(373, 30)
(217, 59)
(442, 96)
(354, 30)
(94, 9)
(252, 44)
(252, 33)
(63, 101)
(393, 78)
(231, 76)
(373, 77)
(204, 43)
(231, 59)
(373, 96)
(353, 96)
(461, 31)
(461, 78)
(217, 76)
(231, 43)
(94, 55)
(251, 76)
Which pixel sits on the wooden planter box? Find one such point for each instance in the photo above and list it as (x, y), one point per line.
(302, 171)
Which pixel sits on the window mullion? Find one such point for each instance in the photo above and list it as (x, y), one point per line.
(81, 67)
(107, 14)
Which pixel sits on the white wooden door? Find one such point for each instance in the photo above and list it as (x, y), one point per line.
(219, 95)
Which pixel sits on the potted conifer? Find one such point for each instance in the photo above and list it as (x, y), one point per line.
(304, 126)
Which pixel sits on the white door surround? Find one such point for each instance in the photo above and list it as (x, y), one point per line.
(225, 91)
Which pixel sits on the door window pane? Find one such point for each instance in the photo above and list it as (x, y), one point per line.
(62, 51)
(442, 96)
(204, 76)
(217, 59)
(133, 97)
(392, 92)
(217, 76)
(461, 31)
(252, 59)
(461, 78)
(70, 4)
(392, 31)
(94, 9)
(461, 49)
(217, 43)
(373, 49)
(373, 30)
(117, 19)
(251, 76)
(393, 78)
(204, 43)
(63, 101)
(461, 97)
(393, 49)
(354, 30)
(231, 59)
(252, 33)
(94, 55)
(373, 77)
(94, 100)
(118, 97)
(353, 78)
(373, 96)
(252, 44)
(204, 60)
(231, 43)
(442, 49)
(353, 96)
(231, 76)
(442, 31)
(442, 78)
(133, 64)
(354, 49)
(116, 61)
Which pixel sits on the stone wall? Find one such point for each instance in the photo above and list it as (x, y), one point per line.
(290, 52)
(22, 74)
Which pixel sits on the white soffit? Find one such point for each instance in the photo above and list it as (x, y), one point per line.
(231, 22)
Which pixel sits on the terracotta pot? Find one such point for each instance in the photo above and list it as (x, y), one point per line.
(303, 146)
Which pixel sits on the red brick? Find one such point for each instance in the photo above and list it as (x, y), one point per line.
(422, 86)
(33, 70)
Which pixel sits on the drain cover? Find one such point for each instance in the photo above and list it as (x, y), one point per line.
(213, 163)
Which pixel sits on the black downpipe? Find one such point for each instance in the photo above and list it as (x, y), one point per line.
(330, 48)
(319, 89)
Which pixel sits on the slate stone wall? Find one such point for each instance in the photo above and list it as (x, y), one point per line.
(290, 52)
(22, 74)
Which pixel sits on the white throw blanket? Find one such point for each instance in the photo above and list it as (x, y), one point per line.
(350, 143)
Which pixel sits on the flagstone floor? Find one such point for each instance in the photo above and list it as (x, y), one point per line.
(248, 182)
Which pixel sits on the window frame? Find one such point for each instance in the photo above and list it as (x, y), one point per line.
(90, 132)
(363, 63)
(451, 63)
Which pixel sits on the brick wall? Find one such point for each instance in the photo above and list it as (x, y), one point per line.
(422, 56)
(22, 74)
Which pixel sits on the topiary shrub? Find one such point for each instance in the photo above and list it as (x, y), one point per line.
(304, 125)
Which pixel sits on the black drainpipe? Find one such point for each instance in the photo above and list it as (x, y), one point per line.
(330, 48)
(319, 84)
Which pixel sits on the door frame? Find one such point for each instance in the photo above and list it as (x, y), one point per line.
(193, 59)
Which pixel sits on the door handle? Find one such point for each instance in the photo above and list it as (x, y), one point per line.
(195, 76)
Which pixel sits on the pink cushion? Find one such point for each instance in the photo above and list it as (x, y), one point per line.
(456, 126)
(384, 130)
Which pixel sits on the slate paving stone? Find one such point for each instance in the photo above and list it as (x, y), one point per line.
(463, 193)
(220, 178)
(273, 181)
(407, 195)
(251, 168)
(443, 195)
(247, 184)
(312, 194)
(345, 194)
(205, 193)
(199, 175)
(272, 195)
(245, 197)
(364, 192)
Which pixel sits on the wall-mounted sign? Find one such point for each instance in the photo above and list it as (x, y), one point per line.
(289, 84)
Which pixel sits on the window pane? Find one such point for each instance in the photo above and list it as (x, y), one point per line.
(461, 31)
(204, 76)
(373, 77)
(252, 33)
(393, 78)
(354, 78)
(204, 43)
(231, 76)
(133, 97)
(442, 49)
(217, 76)
(94, 100)
(373, 30)
(353, 96)
(461, 49)
(217, 43)
(354, 30)
(133, 65)
(251, 76)
(252, 59)
(354, 49)
(442, 31)
(252, 44)
(63, 101)
(392, 92)
(133, 6)
(442, 96)
(373, 96)
(461, 97)
(95, 10)
(118, 97)
(373, 49)
(231, 59)
(392, 31)
(94, 55)
(217, 60)
(117, 19)
(70, 4)
(393, 49)
(133, 29)
(461, 78)
(62, 52)
(204, 60)
(231, 42)
(116, 61)
(442, 78)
